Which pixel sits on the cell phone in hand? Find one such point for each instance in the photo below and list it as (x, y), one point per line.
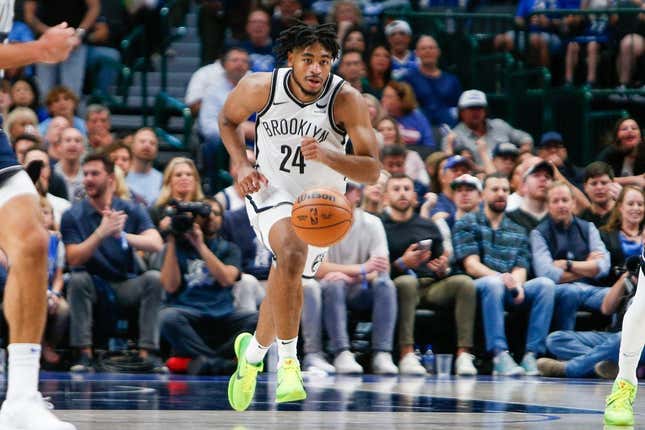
(425, 244)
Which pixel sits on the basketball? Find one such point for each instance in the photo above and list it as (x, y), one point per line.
(321, 216)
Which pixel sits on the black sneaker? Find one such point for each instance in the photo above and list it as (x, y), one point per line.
(156, 364)
(84, 364)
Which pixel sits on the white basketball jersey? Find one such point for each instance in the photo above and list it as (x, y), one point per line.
(282, 124)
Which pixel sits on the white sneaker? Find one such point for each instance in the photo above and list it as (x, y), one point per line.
(317, 360)
(31, 413)
(382, 364)
(410, 365)
(346, 363)
(464, 365)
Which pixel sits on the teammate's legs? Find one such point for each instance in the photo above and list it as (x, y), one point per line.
(619, 409)
(24, 239)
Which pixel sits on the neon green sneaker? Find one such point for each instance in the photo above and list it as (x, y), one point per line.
(241, 386)
(619, 411)
(290, 387)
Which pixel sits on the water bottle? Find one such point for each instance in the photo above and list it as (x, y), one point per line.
(428, 360)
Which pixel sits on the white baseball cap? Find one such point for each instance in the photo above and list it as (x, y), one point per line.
(398, 26)
(472, 98)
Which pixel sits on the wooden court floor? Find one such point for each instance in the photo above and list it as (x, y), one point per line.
(138, 402)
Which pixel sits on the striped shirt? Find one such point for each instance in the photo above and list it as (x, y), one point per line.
(501, 250)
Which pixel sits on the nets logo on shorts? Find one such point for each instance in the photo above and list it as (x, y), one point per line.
(319, 259)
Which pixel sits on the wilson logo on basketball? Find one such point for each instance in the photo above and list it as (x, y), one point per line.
(308, 196)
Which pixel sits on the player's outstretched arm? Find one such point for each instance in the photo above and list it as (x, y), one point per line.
(250, 95)
(351, 113)
(53, 46)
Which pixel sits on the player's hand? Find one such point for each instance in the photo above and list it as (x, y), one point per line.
(57, 43)
(311, 150)
(377, 264)
(414, 256)
(250, 180)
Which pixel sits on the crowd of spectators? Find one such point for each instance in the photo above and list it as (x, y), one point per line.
(472, 216)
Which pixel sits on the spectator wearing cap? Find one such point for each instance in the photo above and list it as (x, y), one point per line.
(450, 168)
(394, 158)
(399, 36)
(537, 175)
(474, 125)
(570, 252)
(602, 191)
(467, 194)
(495, 252)
(436, 90)
(553, 149)
(422, 275)
(399, 101)
(504, 158)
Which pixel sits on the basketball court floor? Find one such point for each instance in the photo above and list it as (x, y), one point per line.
(143, 402)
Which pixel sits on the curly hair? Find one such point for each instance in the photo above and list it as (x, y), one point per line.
(301, 35)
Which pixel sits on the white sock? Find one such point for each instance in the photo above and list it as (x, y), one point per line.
(287, 348)
(24, 364)
(255, 352)
(632, 341)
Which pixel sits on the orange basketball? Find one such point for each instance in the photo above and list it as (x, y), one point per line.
(321, 216)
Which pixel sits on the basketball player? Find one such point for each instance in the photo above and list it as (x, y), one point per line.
(304, 113)
(619, 410)
(24, 240)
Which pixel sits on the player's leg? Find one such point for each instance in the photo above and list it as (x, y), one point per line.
(25, 241)
(286, 298)
(619, 409)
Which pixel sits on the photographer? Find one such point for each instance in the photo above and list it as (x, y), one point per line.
(420, 272)
(101, 234)
(181, 182)
(199, 269)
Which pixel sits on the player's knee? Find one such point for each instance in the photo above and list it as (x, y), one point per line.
(292, 256)
(30, 243)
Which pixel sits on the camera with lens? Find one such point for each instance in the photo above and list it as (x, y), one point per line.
(182, 215)
(631, 266)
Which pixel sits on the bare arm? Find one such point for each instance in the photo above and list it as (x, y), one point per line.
(250, 95)
(149, 240)
(225, 274)
(475, 268)
(29, 12)
(93, 11)
(52, 47)
(613, 297)
(79, 253)
(519, 274)
(170, 274)
(350, 111)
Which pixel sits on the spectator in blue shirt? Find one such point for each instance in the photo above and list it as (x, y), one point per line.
(437, 91)
(569, 251)
(101, 234)
(259, 44)
(399, 102)
(399, 36)
(495, 252)
(198, 271)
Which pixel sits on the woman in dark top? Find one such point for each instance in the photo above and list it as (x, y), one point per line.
(623, 233)
(379, 69)
(627, 153)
